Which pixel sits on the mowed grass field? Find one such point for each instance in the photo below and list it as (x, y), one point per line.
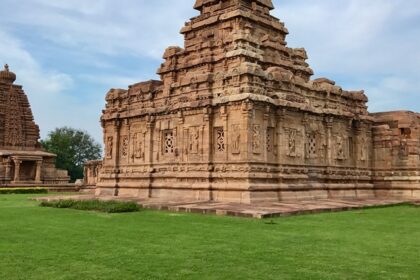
(47, 243)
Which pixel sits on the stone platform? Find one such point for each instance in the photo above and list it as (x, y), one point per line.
(258, 210)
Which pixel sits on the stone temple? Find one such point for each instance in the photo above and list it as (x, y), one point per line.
(236, 117)
(22, 160)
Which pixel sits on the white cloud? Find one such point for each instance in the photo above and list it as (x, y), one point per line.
(371, 45)
(142, 27)
(29, 71)
(46, 89)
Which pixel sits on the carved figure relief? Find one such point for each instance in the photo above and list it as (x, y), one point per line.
(236, 139)
(236, 78)
(220, 139)
(403, 149)
(109, 147)
(194, 140)
(256, 139)
(138, 145)
(339, 147)
(292, 143)
(168, 142)
(124, 146)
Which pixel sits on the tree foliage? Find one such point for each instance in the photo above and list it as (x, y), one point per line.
(73, 148)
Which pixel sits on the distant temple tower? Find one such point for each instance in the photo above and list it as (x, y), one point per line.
(22, 160)
(236, 117)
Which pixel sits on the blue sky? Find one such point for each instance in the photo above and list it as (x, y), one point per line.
(68, 53)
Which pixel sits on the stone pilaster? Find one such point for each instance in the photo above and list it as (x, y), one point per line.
(8, 167)
(329, 124)
(16, 177)
(38, 171)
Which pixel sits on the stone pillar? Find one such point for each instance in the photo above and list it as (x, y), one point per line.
(8, 169)
(208, 136)
(246, 132)
(280, 140)
(329, 124)
(264, 134)
(38, 171)
(116, 137)
(116, 155)
(17, 170)
(224, 116)
(149, 147)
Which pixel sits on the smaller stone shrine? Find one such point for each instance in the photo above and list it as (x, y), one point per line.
(22, 160)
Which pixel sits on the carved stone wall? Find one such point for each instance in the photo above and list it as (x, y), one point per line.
(237, 117)
(396, 153)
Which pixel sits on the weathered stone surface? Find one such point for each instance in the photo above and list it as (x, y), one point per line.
(22, 160)
(396, 164)
(237, 118)
(256, 210)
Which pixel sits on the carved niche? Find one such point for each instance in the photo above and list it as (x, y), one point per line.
(194, 140)
(256, 139)
(138, 145)
(403, 148)
(109, 147)
(292, 142)
(235, 140)
(339, 148)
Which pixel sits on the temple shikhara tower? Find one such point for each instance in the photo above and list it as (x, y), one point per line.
(236, 117)
(22, 160)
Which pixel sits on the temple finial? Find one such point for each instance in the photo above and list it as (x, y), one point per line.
(7, 76)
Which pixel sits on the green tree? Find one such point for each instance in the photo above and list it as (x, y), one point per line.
(73, 148)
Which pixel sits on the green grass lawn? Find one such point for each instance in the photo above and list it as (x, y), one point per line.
(48, 243)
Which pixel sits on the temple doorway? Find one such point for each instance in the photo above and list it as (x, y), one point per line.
(27, 171)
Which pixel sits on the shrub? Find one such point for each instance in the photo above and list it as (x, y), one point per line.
(94, 205)
(23, 191)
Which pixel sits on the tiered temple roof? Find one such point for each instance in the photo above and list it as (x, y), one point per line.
(18, 130)
(235, 50)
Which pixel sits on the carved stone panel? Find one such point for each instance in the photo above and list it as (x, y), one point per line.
(138, 145)
(194, 140)
(124, 146)
(292, 143)
(168, 142)
(256, 139)
(311, 145)
(219, 134)
(235, 139)
(109, 146)
(339, 148)
(403, 149)
(13, 124)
